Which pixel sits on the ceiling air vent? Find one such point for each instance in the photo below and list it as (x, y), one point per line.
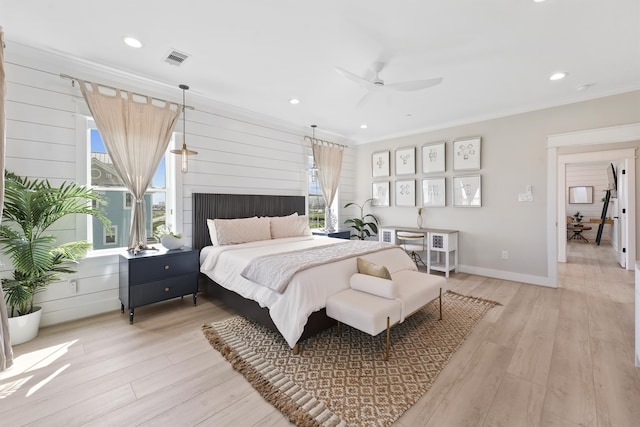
(176, 57)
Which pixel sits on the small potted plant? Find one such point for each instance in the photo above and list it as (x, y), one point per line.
(168, 238)
(365, 225)
(577, 217)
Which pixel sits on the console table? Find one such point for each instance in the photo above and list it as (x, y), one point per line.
(442, 246)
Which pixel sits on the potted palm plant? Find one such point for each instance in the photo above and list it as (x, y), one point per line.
(365, 225)
(31, 207)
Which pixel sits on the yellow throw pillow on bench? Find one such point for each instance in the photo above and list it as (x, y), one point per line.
(371, 269)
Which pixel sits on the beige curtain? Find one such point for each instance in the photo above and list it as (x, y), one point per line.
(136, 135)
(327, 157)
(6, 353)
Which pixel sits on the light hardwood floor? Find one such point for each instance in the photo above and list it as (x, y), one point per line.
(546, 357)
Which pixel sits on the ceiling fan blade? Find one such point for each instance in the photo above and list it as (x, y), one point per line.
(415, 84)
(353, 77)
(366, 98)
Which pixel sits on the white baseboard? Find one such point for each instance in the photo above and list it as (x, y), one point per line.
(79, 312)
(508, 275)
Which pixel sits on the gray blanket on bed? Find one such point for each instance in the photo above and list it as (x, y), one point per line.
(275, 271)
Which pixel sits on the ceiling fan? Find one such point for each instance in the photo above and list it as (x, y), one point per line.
(377, 82)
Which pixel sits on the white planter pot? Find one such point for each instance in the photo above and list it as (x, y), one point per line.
(171, 242)
(25, 328)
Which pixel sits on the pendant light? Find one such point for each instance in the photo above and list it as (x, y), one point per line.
(184, 151)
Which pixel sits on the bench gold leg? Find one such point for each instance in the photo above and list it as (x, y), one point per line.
(296, 349)
(440, 303)
(386, 357)
(339, 330)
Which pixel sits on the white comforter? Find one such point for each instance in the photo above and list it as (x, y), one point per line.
(308, 290)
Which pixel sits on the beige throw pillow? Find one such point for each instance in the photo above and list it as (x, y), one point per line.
(241, 230)
(371, 269)
(289, 226)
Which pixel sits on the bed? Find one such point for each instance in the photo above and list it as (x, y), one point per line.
(298, 311)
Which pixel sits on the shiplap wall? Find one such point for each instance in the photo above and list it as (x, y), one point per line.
(594, 175)
(46, 138)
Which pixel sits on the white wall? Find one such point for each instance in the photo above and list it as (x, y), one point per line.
(238, 153)
(513, 157)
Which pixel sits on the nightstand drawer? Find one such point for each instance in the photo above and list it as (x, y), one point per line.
(157, 268)
(150, 292)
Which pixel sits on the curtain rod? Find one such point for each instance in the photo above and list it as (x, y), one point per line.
(312, 139)
(76, 79)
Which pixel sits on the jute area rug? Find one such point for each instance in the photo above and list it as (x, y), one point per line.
(344, 380)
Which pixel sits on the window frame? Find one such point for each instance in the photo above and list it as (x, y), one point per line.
(169, 189)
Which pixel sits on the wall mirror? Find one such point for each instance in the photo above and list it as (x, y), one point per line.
(580, 194)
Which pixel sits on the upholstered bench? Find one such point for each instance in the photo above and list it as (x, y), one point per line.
(373, 304)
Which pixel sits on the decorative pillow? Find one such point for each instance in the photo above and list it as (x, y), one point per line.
(371, 269)
(289, 226)
(241, 230)
(374, 285)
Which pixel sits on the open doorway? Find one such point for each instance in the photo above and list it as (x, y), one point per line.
(585, 166)
(556, 219)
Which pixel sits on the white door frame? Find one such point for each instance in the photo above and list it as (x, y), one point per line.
(593, 157)
(608, 135)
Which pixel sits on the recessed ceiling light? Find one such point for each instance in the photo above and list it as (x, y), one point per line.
(538, 1)
(558, 76)
(294, 101)
(363, 126)
(132, 41)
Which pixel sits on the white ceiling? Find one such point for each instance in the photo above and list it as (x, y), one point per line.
(495, 56)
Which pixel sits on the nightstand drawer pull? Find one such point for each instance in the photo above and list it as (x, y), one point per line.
(166, 289)
(166, 267)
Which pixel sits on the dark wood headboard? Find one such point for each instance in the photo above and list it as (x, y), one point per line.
(228, 206)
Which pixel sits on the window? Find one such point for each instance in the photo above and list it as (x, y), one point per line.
(106, 182)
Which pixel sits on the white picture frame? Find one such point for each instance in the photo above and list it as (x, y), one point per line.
(380, 164)
(466, 154)
(406, 193)
(434, 157)
(380, 194)
(406, 161)
(434, 192)
(466, 191)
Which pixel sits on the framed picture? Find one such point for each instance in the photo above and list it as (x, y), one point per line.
(466, 154)
(467, 191)
(433, 192)
(380, 194)
(406, 161)
(406, 193)
(380, 164)
(433, 157)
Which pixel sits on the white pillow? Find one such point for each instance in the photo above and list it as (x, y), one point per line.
(290, 226)
(212, 232)
(373, 285)
(241, 230)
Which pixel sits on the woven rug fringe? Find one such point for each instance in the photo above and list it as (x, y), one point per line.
(274, 396)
